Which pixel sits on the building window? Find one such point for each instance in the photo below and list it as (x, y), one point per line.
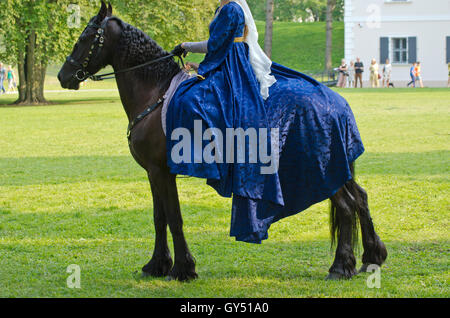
(400, 50)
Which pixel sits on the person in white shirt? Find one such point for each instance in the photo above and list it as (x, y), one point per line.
(351, 75)
(374, 74)
(343, 73)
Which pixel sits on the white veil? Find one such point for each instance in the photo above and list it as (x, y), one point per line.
(260, 61)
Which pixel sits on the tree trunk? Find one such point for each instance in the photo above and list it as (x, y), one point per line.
(22, 85)
(31, 75)
(40, 82)
(30, 98)
(331, 5)
(269, 28)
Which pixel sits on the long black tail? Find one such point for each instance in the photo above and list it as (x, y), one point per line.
(344, 201)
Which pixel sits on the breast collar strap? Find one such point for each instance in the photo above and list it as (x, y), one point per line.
(141, 116)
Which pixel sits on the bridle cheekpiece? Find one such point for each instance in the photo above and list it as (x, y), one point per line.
(94, 51)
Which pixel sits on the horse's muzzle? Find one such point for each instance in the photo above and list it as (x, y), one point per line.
(68, 81)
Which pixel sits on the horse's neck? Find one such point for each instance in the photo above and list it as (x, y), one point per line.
(136, 92)
(136, 95)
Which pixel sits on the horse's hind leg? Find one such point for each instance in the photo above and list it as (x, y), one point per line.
(374, 249)
(343, 226)
(161, 262)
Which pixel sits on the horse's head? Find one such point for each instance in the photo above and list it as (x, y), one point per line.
(93, 50)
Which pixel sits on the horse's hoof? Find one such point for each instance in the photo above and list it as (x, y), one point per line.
(339, 276)
(182, 277)
(363, 268)
(157, 267)
(335, 276)
(182, 274)
(168, 279)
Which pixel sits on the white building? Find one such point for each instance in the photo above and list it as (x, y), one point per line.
(405, 31)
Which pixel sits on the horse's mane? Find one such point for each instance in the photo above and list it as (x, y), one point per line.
(135, 47)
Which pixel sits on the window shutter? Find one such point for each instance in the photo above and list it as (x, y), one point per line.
(448, 49)
(412, 49)
(384, 50)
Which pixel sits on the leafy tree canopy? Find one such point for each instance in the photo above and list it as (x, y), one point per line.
(294, 10)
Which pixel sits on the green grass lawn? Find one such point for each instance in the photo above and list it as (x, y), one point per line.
(301, 46)
(70, 193)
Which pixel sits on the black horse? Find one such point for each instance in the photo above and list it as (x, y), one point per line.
(109, 41)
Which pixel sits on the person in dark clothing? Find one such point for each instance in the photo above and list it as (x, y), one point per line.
(2, 78)
(359, 69)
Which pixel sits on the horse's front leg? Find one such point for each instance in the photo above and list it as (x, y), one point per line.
(165, 185)
(161, 262)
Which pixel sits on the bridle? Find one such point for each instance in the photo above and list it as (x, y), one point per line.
(95, 49)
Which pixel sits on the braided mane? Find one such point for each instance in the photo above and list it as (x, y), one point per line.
(135, 47)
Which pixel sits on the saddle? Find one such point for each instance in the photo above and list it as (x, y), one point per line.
(176, 81)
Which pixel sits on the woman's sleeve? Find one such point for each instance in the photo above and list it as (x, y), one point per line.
(222, 36)
(223, 33)
(196, 47)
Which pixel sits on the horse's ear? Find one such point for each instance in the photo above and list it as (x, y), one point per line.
(103, 11)
(110, 10)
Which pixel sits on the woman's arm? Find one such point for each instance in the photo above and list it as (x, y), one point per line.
(222, 33)
(196, 47)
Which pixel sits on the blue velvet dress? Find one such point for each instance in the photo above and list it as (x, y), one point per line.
(318, 136)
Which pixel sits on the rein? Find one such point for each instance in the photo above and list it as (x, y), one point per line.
(111, 75)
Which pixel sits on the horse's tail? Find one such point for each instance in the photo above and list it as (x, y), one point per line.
(345, 195)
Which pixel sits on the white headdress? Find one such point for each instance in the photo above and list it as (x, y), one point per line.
(260, 61)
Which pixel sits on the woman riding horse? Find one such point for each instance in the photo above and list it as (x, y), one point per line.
(237, 87)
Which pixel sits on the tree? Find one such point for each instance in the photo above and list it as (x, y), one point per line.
(331, 5)
(296, 10)
(35, 33)
(269, 28)
(169, 22)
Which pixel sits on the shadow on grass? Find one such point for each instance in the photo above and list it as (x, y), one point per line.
(4, 103)
(221, 260)
(112, 244)
(60, 170)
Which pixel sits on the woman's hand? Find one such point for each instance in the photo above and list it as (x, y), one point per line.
(179, 51)
(192, 66)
